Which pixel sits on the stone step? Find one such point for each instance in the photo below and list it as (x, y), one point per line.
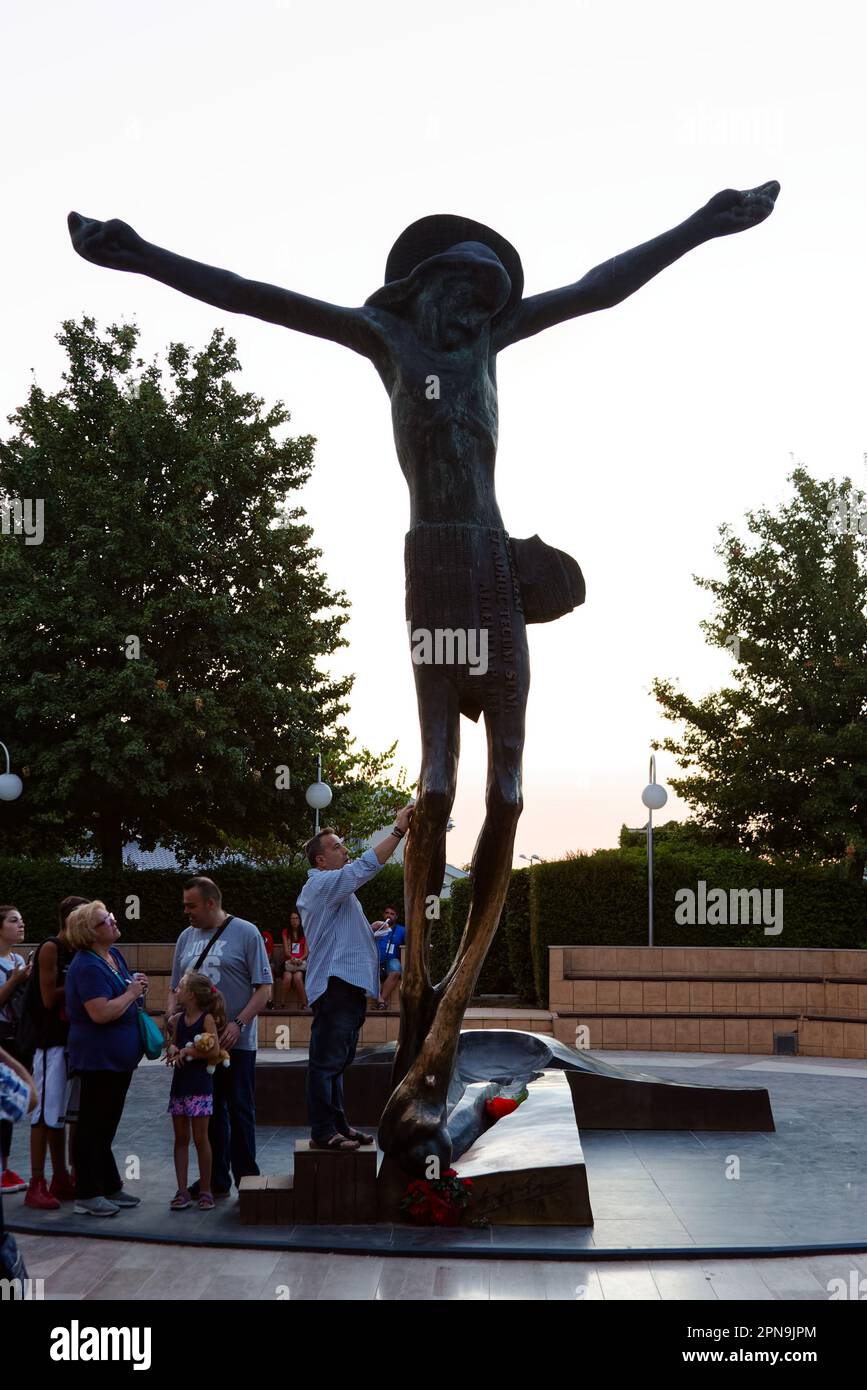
(816, 1037)
(722, 962)
(334, 1188)
(267, 1201)
(286, 1029)
(713, 996)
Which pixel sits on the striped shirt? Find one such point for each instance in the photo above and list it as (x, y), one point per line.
(14, 1095)
(339, 939)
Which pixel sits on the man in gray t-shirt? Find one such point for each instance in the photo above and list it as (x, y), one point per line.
(237, 965)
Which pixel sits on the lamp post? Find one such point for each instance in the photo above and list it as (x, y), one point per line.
(318, 794)
(531, 858)
(654, 797)
(11, 785)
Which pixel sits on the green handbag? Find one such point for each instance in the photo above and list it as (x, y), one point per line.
(151, 1037)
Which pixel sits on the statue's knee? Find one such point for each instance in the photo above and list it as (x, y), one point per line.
(505, 801)
(433, 807)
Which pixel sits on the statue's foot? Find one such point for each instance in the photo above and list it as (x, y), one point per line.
(413, 1133)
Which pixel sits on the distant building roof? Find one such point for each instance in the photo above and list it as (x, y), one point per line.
(135, 857)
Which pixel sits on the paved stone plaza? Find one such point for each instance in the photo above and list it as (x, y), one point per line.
(74, 1268)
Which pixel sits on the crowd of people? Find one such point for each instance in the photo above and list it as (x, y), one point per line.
(74, 1028)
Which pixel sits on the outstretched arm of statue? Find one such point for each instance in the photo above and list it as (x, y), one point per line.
(117, 246)
(614, 280)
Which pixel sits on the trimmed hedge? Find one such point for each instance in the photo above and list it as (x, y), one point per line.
(263, 896)
(518, 935)
(496, 975)
(601, 898)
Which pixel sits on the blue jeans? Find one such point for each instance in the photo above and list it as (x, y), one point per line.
(338, 1015)
(232, 1130)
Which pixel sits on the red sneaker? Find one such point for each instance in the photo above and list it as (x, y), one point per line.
(10, 1182)
(62, 1187)
(39, 1197)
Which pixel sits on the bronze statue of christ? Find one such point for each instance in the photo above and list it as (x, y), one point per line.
(451, 302)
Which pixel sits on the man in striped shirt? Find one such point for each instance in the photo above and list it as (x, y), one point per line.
(342, 969)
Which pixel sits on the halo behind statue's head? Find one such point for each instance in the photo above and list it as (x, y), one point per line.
(431, 236)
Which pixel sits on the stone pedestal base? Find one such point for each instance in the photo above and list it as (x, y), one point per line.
(527, 1169)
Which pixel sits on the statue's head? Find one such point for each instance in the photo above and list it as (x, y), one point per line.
(469, 278)
(450, 276)
(463, 288)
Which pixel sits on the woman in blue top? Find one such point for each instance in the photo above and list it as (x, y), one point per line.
(105, 1047)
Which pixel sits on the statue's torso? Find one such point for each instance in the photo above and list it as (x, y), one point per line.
(444, 414)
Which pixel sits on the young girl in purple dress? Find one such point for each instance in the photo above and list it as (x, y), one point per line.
(191, 1104)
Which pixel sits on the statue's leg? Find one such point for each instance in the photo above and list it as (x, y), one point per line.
(425, 855)
(413, 1127)
(492, 856)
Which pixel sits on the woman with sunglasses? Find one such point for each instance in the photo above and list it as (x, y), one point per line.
(105, 1047)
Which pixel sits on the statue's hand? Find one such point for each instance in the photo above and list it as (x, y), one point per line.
(113, 244)
(731, 211)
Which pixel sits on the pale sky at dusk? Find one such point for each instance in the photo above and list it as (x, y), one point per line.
(293, 143)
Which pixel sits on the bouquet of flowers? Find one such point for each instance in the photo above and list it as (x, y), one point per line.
(437, 1201)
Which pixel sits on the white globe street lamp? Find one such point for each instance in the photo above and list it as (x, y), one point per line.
(318, 795)
(654, 797)
(11, 785)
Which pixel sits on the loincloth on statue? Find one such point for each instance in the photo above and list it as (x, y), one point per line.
(465, 615)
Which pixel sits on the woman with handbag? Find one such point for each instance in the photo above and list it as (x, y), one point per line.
(14, 972)
(106, 1044)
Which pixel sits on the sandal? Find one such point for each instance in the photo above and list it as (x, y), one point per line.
(206, 1202)
(337, 1143)
(180, 1201)
(359, 1138)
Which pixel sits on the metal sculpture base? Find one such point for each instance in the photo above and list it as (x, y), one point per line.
(528, 1167)
(604, 1096)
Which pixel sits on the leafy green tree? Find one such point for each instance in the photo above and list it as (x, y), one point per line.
(777, 761)
(678, 833)
(160, 647)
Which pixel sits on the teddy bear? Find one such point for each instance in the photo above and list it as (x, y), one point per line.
(206, 1045)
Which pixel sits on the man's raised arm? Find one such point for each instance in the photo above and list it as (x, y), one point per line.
(614, 280)
(117, 246)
